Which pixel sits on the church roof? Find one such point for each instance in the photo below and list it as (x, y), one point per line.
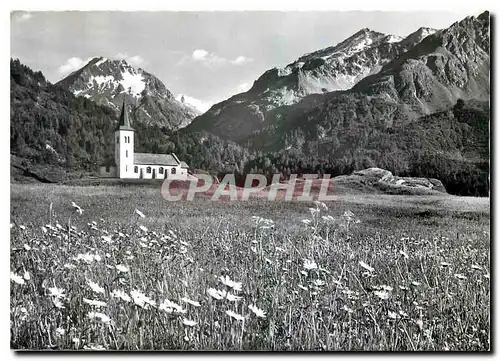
(184, 165)
(124, 122)
(155, 159)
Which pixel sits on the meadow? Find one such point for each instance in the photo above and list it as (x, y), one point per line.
(122, 269)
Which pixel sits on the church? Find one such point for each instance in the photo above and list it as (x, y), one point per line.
(129, 165)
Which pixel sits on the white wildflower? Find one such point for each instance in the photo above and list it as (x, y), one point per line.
(404, 254)
(476, 267)
(306, 221)
(56, 292)
(144, 229)
(77, 208)
(95, 303)
(460, 276)
(60, 331)
(366, 266)
(95, 287)
(27, 276)
(218, 295)
(139, 213)
(189, 323)
(26, 247)
(347, 309)
(16, 278)
(99, 316)
(392, 315)
(141, 299)
(191, 302)
(232, 298)
(310, 264)
(171, 307)
(121, 268)
(235, 316)
(319, 283)
(107, 239)
(121, 294)
(384, 295)
(257, 311)
(228, 282)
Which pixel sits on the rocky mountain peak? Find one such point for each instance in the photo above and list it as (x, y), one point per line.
(110, 81)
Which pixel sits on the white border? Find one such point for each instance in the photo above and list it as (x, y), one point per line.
(472, 7)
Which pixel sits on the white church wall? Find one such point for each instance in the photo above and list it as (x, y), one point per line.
(124, 153)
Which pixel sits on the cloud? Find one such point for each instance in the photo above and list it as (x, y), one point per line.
(240, 60)
(71, 65)
(243, 87)
(200, 54)
(206, 58)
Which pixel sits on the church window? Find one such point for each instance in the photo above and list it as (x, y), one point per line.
(148, 169)
(173, 170)
(126, 168)
(161, 170)
(126, 154)
(136, 169)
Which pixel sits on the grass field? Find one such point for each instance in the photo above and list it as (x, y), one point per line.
(367, 272)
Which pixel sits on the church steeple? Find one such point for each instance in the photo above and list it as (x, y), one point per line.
(124, 122)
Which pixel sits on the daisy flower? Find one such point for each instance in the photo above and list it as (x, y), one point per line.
(57, 293)
(16, 278)
(214, 293)
(235, 316)
(229, 283)
(191, 302)
(366, 266)
(99, 316)
(122, 295)
(121, 268)
(310, 264)
(96, 303)
(139, 213)
(384, 295)
(257, 311)
(189, 323)
(95, 287)
(142, 300)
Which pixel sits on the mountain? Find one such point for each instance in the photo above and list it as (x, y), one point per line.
(335, 68)
(198, 106)
(108, 82)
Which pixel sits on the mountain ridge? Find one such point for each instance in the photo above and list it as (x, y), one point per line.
(110, 82)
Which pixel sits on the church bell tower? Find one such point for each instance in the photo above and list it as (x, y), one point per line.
(124, 146)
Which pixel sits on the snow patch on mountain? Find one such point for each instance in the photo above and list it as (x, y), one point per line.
(283, 96)
(199, 105)
(102, 61)
(133, 81)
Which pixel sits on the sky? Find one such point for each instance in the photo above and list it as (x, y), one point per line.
(208, 56)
